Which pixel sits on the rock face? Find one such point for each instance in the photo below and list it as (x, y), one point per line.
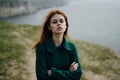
(14, 8)
(19, 7)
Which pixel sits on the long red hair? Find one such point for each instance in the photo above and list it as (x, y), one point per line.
(46, 33)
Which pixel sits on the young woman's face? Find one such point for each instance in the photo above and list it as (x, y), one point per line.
(57, 24)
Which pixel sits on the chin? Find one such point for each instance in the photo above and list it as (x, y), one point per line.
(59, 32)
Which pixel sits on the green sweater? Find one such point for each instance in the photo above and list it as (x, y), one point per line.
(57, 59)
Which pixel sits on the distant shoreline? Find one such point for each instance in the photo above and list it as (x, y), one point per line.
(17, 8)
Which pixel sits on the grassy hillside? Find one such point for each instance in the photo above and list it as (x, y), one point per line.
(14, 41)
(98, 62)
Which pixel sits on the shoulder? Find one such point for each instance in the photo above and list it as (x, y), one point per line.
(40, 46)
(72, 45)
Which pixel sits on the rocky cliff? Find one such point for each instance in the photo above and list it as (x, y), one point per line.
(20, 7)
(14, 8)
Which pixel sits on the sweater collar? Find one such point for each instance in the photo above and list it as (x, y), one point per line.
(51, 46)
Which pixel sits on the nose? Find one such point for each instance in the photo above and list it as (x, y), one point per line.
(59, 23)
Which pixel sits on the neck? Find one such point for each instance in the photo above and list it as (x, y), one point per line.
(58, 39)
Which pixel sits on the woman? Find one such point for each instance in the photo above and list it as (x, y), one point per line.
(56, 57)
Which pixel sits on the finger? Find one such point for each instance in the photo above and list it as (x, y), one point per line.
(75, 68)
(73, 63)
(76, 64)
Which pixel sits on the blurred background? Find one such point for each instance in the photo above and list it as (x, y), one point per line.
(97, 21)
(90, 21)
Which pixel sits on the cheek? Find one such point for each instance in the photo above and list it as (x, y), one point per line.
(53, 27)
(65, 26)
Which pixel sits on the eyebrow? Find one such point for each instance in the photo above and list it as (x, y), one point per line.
(57, 19)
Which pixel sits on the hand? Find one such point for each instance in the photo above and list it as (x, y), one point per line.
(49, 72)
(73, 66)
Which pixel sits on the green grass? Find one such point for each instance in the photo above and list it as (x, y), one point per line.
(12, 50)
(15, 40)
(99, 60)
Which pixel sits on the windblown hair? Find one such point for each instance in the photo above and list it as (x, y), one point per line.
(46, 33)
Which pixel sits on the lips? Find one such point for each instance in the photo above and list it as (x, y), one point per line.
(59, 28)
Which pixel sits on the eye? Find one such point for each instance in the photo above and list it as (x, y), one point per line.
(61, 20)
(54, 22)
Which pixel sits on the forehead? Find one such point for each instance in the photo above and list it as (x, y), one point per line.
(57, 16)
